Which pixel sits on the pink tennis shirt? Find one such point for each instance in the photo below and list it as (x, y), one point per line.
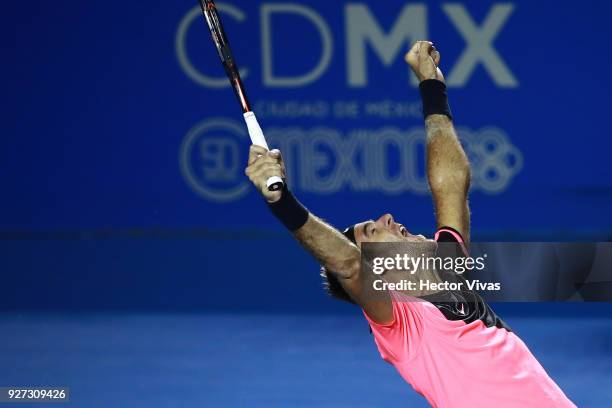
(456, 352)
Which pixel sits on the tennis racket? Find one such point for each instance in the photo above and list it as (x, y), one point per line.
(231, 70)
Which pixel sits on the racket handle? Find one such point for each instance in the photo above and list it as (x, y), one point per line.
(274, 183)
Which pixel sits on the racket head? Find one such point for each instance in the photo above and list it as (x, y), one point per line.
(209, 10)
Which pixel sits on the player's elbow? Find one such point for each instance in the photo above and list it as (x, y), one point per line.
(450, 179)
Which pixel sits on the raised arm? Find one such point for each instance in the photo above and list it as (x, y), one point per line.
(329, 246)
(448, 169)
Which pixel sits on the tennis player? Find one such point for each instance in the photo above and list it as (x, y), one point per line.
(449, 345)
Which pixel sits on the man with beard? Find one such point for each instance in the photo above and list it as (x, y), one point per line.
(449, 345)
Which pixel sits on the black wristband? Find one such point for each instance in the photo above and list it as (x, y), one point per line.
(435, 100)
(289, 210)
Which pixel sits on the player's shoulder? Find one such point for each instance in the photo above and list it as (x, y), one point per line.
(447, 236)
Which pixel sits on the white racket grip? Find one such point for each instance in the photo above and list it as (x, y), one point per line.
(255, 132)
(257, 138)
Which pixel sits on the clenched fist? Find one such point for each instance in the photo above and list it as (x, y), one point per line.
(262, 165)
(423, 58)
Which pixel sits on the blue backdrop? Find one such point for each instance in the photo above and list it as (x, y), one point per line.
(123, 148)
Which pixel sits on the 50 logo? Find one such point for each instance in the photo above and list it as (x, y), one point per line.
(210, 159)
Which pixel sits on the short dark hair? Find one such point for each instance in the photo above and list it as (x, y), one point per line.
(331, 284)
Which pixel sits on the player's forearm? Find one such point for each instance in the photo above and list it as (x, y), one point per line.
(330, 247)
(447, 166)
(448, 169)
(324, 242)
